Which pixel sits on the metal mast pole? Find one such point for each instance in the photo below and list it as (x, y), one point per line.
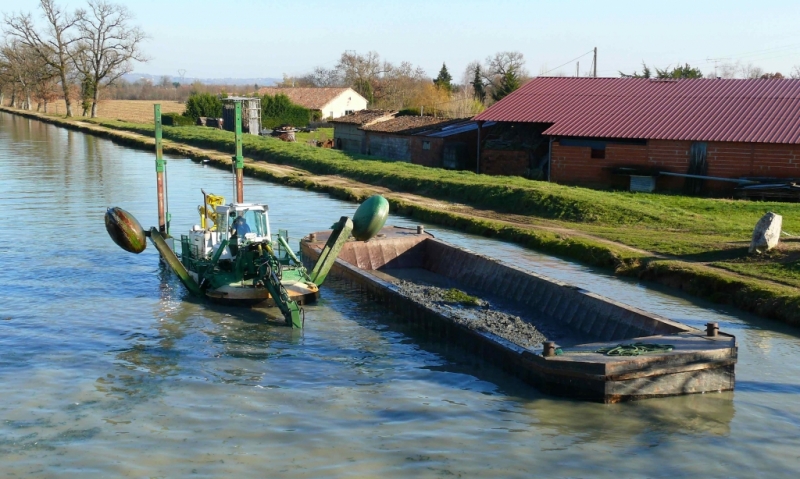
(594, 63)
(238, 159)
(161, 166)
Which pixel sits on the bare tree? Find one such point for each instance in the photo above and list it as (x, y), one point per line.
(361, 72)
(6, 77)
(398, 85)
(108, 46)
(501, 63)
(300, 82)
(52, 47)
(26, 68)
(729, 70)
(751, 71)
(45, 91)
(795, 72)
(324, 77)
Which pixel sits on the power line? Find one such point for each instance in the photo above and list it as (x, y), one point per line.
(566, 63)
(764, 51)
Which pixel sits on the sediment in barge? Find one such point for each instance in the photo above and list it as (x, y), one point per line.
(580, 321)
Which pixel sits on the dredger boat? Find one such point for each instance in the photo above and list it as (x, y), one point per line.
(232, 256)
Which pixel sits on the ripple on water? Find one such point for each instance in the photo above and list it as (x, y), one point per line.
(109, 368)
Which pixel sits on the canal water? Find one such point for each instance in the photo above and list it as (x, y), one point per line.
(108, 368)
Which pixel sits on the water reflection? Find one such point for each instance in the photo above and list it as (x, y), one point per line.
(105, 356)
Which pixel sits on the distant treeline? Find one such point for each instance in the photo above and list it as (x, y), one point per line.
(168, 89)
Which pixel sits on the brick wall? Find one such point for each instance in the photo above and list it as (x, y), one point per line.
(573, 165)
(504, 162)
(435, 155)
(430, 157)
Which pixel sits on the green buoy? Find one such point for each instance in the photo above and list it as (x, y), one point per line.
(370, 217)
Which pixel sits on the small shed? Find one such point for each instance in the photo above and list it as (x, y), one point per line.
(401, 138)
(251, 114)
(452, 145)
(348, 133)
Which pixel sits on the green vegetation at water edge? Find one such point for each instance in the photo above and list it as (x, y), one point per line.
(728, 220)
(688, 228)
(768, 299)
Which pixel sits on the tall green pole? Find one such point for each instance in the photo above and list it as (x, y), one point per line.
(239, 159)
(161, 166)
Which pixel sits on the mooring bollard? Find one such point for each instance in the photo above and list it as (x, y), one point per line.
(712, 329)
(312, 237)
(420, 229)
(548, 348)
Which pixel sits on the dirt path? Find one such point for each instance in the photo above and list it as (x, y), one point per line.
(520, 221)
(287, 174)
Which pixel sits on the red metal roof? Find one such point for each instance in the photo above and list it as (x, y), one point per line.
(761, 111)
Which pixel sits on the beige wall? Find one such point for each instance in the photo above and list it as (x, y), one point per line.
(347, 100)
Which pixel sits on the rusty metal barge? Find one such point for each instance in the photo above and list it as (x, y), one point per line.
(581, 330)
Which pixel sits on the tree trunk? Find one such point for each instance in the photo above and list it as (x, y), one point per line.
(28, 104)
(13, 98)
(95, 97)
(65, 88)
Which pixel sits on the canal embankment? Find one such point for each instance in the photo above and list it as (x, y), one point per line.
(692, 244)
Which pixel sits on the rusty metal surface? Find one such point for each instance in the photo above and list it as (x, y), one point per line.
(762, 111)
(393, 248)
(239, 186)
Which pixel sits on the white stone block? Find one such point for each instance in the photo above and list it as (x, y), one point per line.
(767, 233)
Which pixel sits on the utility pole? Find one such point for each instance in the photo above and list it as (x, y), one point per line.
(577, 69)
(716, 60)
(594, 63)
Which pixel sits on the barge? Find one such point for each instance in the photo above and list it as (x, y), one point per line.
(560, 338)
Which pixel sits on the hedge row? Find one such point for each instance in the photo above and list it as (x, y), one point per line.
(176, 119)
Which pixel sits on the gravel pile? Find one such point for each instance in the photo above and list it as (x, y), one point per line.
(481, 317)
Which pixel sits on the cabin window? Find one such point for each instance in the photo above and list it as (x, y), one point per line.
(598, 153)
(426, 145)
(256, 222)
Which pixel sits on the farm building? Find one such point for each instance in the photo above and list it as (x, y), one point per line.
(423, 140)
(401, 138)
(330, 102)
(621, 132)
(348, 134)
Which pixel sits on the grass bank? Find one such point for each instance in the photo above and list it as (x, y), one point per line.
(694, 244)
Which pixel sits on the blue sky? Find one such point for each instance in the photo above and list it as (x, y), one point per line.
(240, 38)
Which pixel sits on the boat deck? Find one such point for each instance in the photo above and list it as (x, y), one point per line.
(580, 322)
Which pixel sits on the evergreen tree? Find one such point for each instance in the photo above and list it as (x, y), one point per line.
(478, 86)
(684, 71)
(646, 73)
(508, 83)
(203, 104)
(364, 88)
(444, 79)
